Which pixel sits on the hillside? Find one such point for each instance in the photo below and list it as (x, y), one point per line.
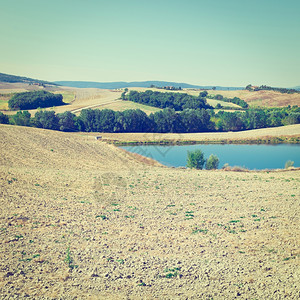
(13, 79)
(262, 98)
(145, 84)
(80, 218)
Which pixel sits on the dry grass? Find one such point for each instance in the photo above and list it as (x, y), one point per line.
(80, 218)
(262, 98)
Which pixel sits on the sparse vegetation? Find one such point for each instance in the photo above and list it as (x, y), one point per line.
(184, 234)
(289, 164)
(69, 260)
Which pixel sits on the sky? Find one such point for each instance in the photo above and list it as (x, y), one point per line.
(217, 42)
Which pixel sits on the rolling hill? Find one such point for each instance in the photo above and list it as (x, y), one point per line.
(144, 84)
(13, 79)
(84, 219)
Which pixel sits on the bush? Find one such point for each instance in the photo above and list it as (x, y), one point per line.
(195, 159)
(212, 162)
(289, 164)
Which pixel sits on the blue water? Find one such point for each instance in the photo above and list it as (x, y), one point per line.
(252, 157)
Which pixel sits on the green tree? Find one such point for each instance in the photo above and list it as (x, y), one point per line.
(46, 119)
(3, 118)
(35, 99)
(195, 159)
(21, 118)
(66, 121)
(203, 94)
(212, 162)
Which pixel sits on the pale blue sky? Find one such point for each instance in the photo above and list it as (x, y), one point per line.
(220, 42)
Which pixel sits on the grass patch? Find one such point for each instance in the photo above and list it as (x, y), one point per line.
(69, 260)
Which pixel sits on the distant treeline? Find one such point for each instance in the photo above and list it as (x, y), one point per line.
(252, 88)
(168, 87)
(177, 101)
(166, 120)
(35, 99)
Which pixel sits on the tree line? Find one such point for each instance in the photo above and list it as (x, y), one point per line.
(177, 101)
(163, 121)
(107, 120)
(252, 88)
(255, 118)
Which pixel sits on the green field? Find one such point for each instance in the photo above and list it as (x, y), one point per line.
(67, 96)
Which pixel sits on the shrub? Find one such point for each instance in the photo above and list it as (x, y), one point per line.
(212, 162)
(289, 164)
(195, 159)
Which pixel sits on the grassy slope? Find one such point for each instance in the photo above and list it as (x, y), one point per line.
(183, 233)
(262, 98)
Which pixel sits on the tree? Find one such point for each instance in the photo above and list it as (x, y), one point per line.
(231, 122)
(21, 118)
(203, 94)
(46, 119)
(195, 120)
(212, 162)
(166, 120)
(3, 118)
(135, 120)
(195, 159)
(66, 121)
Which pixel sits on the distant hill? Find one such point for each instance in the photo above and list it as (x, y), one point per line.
(297, 88)
(145, 84)
(14, 79)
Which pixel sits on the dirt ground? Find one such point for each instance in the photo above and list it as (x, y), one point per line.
(83, 219)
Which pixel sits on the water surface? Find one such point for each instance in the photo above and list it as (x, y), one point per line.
(252, 157)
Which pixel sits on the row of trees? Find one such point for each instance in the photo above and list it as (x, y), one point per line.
(107, 120)
(252, 88)
(166, 120)
(35, 99)
(256, 118)
(177, 101)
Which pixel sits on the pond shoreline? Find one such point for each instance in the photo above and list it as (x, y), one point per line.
(289, 134)
(258, 141)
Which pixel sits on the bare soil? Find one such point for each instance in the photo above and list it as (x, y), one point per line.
(84, 219)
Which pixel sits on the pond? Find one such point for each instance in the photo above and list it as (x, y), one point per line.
(252, 157)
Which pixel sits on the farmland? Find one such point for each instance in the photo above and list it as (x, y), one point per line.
(80, 216)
